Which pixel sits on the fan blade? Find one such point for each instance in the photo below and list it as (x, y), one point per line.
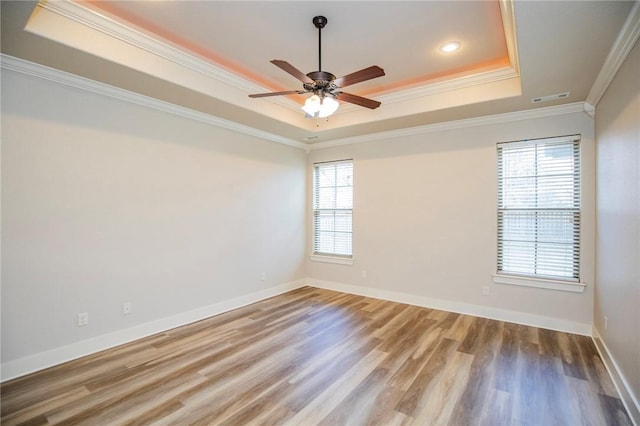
(358, 100)
(287, 67)
(288, 92)
(373, 71)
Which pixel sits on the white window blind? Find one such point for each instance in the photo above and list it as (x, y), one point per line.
(539, 208)
(332, 208)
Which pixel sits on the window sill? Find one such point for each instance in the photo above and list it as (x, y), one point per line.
(332, 259)
(539, 283)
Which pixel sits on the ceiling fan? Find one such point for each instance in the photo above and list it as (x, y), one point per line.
(326, 88)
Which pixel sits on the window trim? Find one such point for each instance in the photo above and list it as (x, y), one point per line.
(546, 283)
(332, 259)
(540, 281)
(328, 257)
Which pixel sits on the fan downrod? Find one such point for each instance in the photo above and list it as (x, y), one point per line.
(319, 22)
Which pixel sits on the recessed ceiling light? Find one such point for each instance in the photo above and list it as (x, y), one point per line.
(451, 46)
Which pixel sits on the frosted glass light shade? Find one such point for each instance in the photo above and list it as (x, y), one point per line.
(312, 105)
(327, 107)
(318, 107)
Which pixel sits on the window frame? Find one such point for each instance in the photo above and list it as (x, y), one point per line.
(329, 257)
(538, 280)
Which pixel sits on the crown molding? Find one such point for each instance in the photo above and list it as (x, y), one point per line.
(627, 38)
(449, 85)
(434, 88)
(102, 23)
(590, 110)
(46, 73)
(458, 124)
(94, 19)
(508, 15)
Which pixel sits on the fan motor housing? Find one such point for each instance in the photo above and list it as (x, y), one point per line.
(321, 76)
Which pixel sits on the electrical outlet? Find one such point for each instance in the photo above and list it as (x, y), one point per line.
(127, 308)
(83, 319)
(263, 276)
(486, 290)
(606, 322)
(364, 273)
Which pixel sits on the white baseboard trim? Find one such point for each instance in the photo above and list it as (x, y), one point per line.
(461, 308)
(32, 363)
(629, 400)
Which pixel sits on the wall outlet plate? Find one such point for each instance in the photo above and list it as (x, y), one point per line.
(83, 319)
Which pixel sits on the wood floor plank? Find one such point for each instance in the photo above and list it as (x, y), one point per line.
(417, 394)
(444, 397)
(526, 402)
(314, 356)
(406, 374)
(319, 407)
(314, 383)
(267, 409)
(615, 408)
(355, 407)
(585, 402)
(497, 409)
(135, 405)
(220, 400)
(156, 413)
(601, 379)
(484, 348)
(458, 329)
(506, 359)
(570, 354)
(260, 384)
(45, 405)
(553, 388)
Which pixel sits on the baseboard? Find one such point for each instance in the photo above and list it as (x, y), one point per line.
(629, 400)
(32, 363)
(462, 308)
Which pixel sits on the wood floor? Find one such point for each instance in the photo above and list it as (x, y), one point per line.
(314, 356)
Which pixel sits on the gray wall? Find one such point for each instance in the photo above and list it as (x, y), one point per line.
(106, 202)
(618, 220)
(425, 223)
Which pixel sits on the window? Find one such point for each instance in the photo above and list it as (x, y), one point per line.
(539, 209)
(332, 209)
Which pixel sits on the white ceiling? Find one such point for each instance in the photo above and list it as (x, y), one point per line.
(236, 36)
(209, 55)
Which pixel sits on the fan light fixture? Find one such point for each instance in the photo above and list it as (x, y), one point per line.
(324, 87)
(318, 107)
